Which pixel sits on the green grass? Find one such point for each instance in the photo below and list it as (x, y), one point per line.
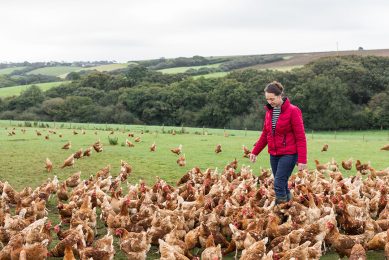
(62, 71)
(107, 67)
(55, 71)
(10, 70)
(183, 69)
(16, 90)
(22, 156)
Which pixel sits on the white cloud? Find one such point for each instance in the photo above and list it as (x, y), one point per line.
(141, 29)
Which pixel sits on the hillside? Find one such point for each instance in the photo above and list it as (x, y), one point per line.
(292, 60)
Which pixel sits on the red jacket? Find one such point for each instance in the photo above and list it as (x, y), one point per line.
(289, 134)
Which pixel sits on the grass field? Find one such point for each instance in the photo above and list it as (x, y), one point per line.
(22, 156)
(16, 90)
(108, 67)
(55, 71)
(62, 71)
(183, 69)
(9, 70)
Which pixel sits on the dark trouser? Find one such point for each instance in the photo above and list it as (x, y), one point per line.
(282, 167)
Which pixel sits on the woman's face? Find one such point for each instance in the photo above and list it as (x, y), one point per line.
(273, 100)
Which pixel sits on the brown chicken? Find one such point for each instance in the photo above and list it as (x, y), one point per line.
(386, 248)
(321, 167)
(62, 192)
(211, 251)
(98, 146)
(49, 165)
(246, 152)
(357, 253)
(68, 162)
(78, 154)
(169, 252)
(137, 140)
(177, 150)
(73, 180)
(385, 148)
(9, 194)
(347, 165)
(153, 147)
(218, 148)
(325, 148)
(255, 251)
(274, 230)
(129, 144)
(39, 235)
(47, 137)
(66, 211)
(68, 254)
(87, 152)
(362, 168)
(135, 245)
(75, 237)
(67, 146)
(378, 241)
(181, 161)
(102, 249)
(341, 243)
(34, 251)
(38, 133)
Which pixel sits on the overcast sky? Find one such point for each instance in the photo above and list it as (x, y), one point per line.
(123, 30)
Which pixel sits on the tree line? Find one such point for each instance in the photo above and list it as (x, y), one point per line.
(348, 92)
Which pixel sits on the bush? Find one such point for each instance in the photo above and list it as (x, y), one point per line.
(113, 140)
(27, 124)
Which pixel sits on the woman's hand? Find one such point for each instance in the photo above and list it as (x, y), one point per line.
(301, 166)
(253, 157)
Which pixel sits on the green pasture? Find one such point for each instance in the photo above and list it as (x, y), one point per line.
(62, 71)
(27, 152)
(10, 70)
(55, 71)
(22, 156)
(16, 90)
(107, 67)
(183, 69)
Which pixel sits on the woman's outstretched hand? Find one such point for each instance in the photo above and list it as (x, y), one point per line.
(301, 166)
(253, 157)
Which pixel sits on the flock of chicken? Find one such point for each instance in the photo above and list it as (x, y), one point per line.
(221, 213)
(208, 214)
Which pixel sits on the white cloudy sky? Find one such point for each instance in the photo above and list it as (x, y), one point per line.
(123, 30)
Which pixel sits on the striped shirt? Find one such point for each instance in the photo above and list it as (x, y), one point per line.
(276, 114)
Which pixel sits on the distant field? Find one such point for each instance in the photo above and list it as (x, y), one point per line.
(183, 69)
(10, 70)
(108, 67)
(281, 68)
(62, 71)
(16, 90)
(55, 71)
(292, 60)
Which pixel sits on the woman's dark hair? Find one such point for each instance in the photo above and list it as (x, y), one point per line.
(275, 88)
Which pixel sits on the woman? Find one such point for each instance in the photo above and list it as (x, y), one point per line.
(283, 133)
